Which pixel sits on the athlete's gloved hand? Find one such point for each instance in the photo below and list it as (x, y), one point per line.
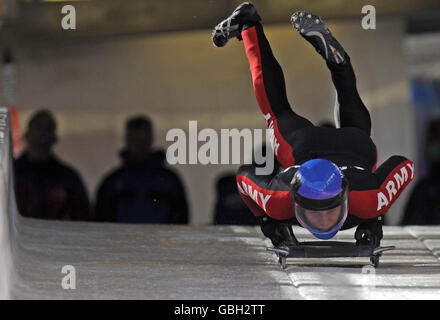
(369, 232)
(278, 231)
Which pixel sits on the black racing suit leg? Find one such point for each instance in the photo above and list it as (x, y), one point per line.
(352, 111)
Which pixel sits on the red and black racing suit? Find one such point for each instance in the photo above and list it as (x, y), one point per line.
(296, 140)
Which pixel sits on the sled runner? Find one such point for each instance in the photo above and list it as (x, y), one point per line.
(329, 249)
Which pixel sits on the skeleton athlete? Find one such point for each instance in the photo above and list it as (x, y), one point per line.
(331, 180)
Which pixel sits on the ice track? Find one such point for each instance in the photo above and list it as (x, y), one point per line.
(194, 262)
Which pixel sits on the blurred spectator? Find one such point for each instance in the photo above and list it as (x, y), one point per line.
(46, 187)
(229, 207)
(423, 207)
(142, 189)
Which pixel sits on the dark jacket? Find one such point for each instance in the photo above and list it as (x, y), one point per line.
(50, 190)
(229, 208)
(145, 192)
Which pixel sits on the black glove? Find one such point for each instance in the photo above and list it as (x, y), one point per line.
(278, 231)
(369, 232)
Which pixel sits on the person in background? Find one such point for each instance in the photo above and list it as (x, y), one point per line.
(229, 208)
(45, 187)
(423, 206)
(142, 189)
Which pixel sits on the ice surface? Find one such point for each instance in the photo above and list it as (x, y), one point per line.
(114, 261)
(210, 262)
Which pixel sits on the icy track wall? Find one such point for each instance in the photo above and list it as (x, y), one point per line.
(5, 252)
(8, 206)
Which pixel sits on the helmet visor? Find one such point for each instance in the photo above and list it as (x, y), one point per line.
(322, 223)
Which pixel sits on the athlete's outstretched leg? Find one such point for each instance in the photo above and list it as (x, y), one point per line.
(352, 111)
(270, 91)
(267, 77)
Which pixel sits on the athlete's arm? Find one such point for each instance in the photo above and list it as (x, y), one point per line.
(373, 194)
(265, 194)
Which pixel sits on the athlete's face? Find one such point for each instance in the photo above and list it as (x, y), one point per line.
(325, 219)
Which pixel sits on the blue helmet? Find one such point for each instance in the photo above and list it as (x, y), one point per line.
(320, 197)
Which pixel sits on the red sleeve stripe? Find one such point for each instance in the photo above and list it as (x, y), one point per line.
(275, 203)
(256, 210)
(372, 203)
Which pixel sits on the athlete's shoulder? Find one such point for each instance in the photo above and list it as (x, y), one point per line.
(359, 178)
(286, 175)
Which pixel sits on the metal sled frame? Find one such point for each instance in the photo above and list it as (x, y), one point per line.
(329, 249)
